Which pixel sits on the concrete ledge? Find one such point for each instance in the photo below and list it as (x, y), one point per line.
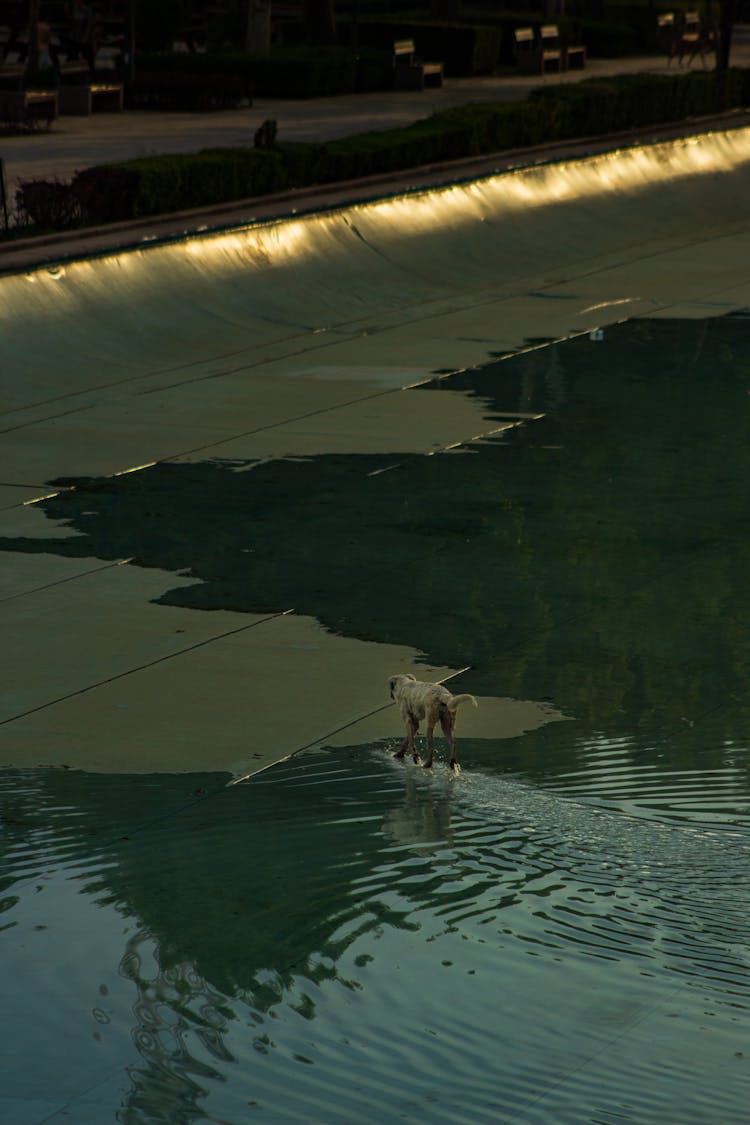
(26, 253)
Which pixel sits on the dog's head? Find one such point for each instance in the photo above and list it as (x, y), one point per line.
(395, 683)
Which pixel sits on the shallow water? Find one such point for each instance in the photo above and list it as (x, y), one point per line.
(346, 939)
(560, 934)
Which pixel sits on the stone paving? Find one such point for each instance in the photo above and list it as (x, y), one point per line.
(79, 142)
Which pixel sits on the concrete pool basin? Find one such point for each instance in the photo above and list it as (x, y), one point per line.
(305, 336)
(493, 433)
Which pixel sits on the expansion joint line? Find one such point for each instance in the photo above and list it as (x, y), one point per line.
(142, 667)
(337, 730)
(70, 578)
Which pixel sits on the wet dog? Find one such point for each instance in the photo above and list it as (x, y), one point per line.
(416, 701)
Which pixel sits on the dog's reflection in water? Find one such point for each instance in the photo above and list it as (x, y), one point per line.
(424, 817)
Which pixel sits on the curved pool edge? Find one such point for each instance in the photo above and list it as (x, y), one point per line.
(137, 234)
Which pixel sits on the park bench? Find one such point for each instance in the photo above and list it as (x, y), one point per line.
(81, 100)
(551, 53)
(527, 56)
(411, 73)
(27, 109)
(537, 56)
(689, 40)
(545, 54)
(574, 56)
(11, 71)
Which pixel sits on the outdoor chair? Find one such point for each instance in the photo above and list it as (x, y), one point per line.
(527, 55)
(551, 52)
(666, 33)
(410, 72)
(696, 39)
(690, 39)
(27, 110)
(11, 71)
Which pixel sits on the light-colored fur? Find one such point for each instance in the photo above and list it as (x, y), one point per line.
(418, 700)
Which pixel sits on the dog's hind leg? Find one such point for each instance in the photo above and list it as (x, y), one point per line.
(448, 722)
(408, 744)
(430, 744)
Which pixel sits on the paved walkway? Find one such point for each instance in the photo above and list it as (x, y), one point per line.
(79, 142)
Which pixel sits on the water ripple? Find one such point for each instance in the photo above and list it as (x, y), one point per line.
(447, 951)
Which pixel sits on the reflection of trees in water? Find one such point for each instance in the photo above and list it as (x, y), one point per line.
(222, 941)
(542, 375)
(240, 901)
(597, 556)
(249, 900)
(174, 1008)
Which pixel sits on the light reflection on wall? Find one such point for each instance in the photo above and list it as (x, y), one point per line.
(162, 304)
(622, 170)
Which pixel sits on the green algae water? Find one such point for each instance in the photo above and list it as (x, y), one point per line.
(560, 935)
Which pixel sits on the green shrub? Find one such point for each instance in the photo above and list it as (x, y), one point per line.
(305, 72)
(371, 153)
(47, 204)
(303, 162)
(633, 100)
(287, 72)
(105, 194)
(161, 184)
(176, 183)
(374, 69)
(549, 113)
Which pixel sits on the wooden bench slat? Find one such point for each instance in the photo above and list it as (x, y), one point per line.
(411, 73)
(545, 53)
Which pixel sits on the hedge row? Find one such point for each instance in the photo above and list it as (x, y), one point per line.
(302, 71)
(162, 184)
(288, 72)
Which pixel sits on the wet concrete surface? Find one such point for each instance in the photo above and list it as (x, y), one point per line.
(495, 434)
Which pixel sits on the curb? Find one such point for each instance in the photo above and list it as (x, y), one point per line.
(20, 255)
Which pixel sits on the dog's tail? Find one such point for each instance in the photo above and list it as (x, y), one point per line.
(455, 702)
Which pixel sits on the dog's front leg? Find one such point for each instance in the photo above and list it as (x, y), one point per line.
(402, 748)
(413, 728)
(430, 747)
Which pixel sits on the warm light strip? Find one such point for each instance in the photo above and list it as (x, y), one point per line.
(267, 245)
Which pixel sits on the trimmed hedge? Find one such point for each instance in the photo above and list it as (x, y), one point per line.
(288, 72)
(632, 100)
(160, 184)
(304, 72)
(177, 183)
